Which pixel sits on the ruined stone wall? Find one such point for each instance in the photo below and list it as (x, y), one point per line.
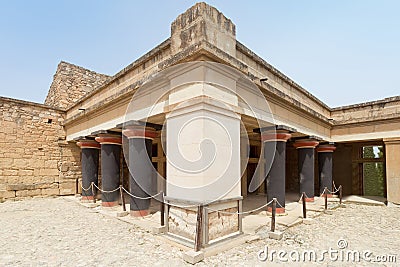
(34, 160)
(387, 108)
(71, 83)
(128, 79)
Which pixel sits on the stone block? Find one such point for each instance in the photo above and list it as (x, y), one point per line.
(48, 172)
(7, 194)
(64, 167)
(46, 186)
(50, 164)
(20, 187)
(122, 213)
(25, 172)
(10, 172)
(6, 163)
(193, 257)
(275, 235)
(67, 188)
(28, 193)
(159, 230)
(51, 192)
(20, 163)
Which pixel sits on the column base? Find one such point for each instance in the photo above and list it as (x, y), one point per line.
(87, 198)
(139, 213)
(278, 210)
(329, 195)
(109, 204)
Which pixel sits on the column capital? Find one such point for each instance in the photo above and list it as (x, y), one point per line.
(326, 148)
(305, 143)
(272, 136)
(108, 139)
(140, 132)
(88, 144)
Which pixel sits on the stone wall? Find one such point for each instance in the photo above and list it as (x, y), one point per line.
(71, 83)
(388, 108)
(31, 148)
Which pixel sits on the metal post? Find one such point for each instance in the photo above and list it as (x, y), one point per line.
(76, 186)
(162, 210)
(94, 194)
(303, 200)
(273, 215)
(198, 238)
(340, 195)
(122, 198)
(326, 197)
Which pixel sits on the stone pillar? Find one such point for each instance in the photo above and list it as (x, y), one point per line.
(275, 162)
(110, 167)
(90, 166)
(392, 151)
(325, 153)
(306, 150)
(142, 178)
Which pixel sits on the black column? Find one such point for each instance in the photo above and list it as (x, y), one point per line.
(142, 178)
(275, 163)
(325, 153)
(110, 168)
(306, 150)
(90, 166)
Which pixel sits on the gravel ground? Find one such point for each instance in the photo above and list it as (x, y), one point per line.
(60, 232)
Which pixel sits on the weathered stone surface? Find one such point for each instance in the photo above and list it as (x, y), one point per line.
(30, 154)
(71, 83)
(28, 193)
(50, 192)
(203, 22)
(7, 194)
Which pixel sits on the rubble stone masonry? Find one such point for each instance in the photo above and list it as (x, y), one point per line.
(31, 148)
(71, 83)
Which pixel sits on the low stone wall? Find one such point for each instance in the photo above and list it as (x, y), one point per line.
(34, 158)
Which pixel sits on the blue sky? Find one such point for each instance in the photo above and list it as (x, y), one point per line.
(341, 51)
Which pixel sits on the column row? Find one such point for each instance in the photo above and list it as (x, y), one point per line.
(142, 178)
(274, 140)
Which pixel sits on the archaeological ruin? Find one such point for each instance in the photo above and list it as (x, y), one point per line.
(198, 121)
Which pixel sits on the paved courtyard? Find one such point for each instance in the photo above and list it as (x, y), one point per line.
(61, 232)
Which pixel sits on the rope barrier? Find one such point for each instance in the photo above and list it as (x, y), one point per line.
(144, 198)
(286, 209)
(237, 213)
(333, 192)
(86, 189)
(118, 188)
(105, 191)
(334, 186)
(209, 209)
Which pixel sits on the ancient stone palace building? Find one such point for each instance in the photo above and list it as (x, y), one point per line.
(207, 114)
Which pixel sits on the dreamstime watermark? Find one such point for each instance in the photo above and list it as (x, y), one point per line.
(339, 254)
